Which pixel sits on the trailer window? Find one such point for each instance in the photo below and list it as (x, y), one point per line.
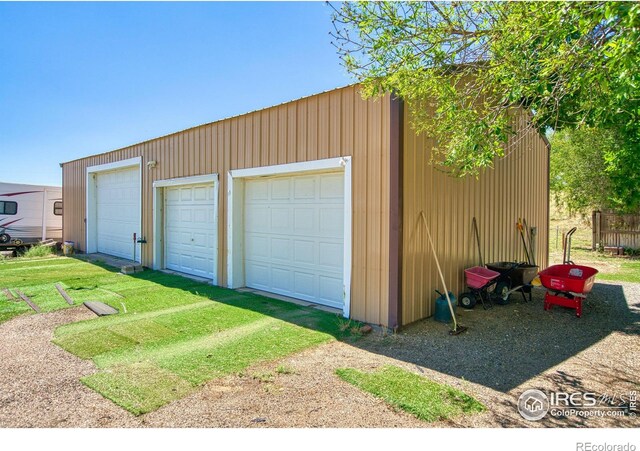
(57, 208)
(8, 208)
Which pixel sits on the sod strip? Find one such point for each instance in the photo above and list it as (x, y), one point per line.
(140, 387)
(426, 399)
(152, 379)
(84, 326)
(8, 294)
(26, 299)
(175, 350)
(64, 294)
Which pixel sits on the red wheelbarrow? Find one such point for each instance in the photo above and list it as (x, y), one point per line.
(569, 285)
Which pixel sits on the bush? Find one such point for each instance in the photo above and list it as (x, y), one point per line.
(38, 251)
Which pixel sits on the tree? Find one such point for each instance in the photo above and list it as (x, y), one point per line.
(463, 68)
(584, 176)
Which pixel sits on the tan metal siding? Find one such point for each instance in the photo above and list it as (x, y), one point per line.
(337, 123)
(516, 188)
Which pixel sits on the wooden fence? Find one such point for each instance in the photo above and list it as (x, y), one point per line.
(613, 230)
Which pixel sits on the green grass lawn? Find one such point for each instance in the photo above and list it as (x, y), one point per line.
(37, 278)
(426, 399)
(176, 333)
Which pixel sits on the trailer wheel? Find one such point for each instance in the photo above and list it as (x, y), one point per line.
(467, 300)
(502, 288)
(4, 238)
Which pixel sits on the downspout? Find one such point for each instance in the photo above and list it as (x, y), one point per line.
(395, 211)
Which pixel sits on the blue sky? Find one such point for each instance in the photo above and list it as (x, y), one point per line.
(83, 78)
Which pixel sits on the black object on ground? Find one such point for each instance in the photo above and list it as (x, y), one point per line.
(458, 330)
(514, 276)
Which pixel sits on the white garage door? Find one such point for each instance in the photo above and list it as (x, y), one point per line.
(190, 228)
(118, 212)
(294, 236)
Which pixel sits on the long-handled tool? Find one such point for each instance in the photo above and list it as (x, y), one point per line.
(524, 242)
(457, 329)
(474, 224)
(532, 261)
(566, 247)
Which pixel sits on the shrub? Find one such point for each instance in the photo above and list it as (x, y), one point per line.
(38, 251)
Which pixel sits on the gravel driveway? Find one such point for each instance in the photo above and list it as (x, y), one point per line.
(507, 350)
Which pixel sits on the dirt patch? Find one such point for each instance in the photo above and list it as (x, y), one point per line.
(40, 383)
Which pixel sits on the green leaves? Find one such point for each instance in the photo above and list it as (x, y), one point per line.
(594, 168)
(466, 68)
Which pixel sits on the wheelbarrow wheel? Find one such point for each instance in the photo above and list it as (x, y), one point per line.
(467, 300)
(502, 288)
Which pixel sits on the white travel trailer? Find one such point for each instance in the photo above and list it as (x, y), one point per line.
(29, 213)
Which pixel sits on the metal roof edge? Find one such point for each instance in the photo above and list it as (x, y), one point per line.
(210, 123)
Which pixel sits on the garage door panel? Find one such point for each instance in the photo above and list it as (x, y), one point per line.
(281, 189)
(281, 279)
(331, 222)
(258, 273)
(332, 187)
(280, 222)
(304, 252)
(257, 190)
(201, 264)
(185, 238)
(200, 216)
(304, 188)
(200, 239)
(281, 249)
(257, 246)
(330, 290)
(294, 236)
(201, 194)
(305, 221)
(172, 258)
(305, 285)
(118, 212)
(172, 195)
(256, 218)
(330, 254)
(184, 261)
(190, 229)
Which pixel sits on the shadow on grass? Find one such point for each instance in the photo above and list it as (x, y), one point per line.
(313, 318)
(503, 348)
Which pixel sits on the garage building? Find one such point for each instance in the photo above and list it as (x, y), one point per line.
(317, 199)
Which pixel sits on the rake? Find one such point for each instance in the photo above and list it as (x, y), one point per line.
(457, 329)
